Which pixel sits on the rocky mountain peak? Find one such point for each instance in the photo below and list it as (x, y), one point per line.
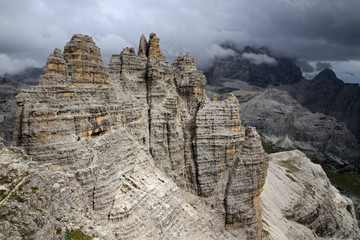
(256, 66)
(329, 95)
(82, 47)
(136, 149)
(329, 75)
(79, 64)
(260, 50)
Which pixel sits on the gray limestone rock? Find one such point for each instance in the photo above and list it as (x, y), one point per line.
(143, 46)
(122, 130)
(299, 202)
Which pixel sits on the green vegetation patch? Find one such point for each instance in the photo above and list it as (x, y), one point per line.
(2, 194)
(4, 179)
(270, 147)
(309, 189)
(265, 234)
(77, 234)
(291, 177)
(351, 182)
(290, 165)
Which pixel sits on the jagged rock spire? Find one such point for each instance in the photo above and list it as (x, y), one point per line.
(143, 46)
(154, 48)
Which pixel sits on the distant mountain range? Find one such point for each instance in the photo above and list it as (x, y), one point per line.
(329, 95)
(251, 71)
(10, 86)
(320, 117)
(28, 76)
(253, 65)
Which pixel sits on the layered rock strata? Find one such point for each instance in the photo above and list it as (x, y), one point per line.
(113, 128)
(132, 199)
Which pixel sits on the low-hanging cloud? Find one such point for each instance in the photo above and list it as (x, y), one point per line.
(13, 65)
(320, 30)
(305, 66)
(259, 58)
(322, 65)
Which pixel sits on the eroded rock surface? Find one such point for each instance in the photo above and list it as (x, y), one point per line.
(115, 197)
(130, 135)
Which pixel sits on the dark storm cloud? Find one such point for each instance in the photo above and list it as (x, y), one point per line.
(305, 66)
(322, 65)
(314, 30)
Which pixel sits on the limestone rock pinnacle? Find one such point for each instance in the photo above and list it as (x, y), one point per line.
(154, 51)
(80, 64)
(143, 46)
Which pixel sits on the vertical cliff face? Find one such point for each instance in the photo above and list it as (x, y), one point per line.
(218, 136)
(74, 100)
(114, 127)
(247, 176)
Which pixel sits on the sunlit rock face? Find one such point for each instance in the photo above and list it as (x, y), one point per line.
(139, 131)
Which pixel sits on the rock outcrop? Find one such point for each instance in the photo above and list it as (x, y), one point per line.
(130, 198)
(255, 66)
(124, 135)
(331, 96)
(299, 202)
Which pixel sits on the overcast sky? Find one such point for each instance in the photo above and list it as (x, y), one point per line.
(325, 31)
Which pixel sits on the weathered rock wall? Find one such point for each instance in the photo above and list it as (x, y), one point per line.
(114, 128)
